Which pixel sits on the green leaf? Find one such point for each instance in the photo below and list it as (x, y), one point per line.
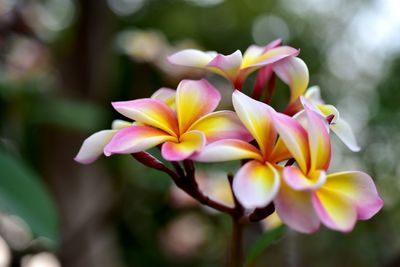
(23, 194)
(261, 244)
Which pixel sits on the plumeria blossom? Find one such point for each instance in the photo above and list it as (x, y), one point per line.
(183, 130)
(338, 125)
(257, 182)
(235, 67)
(308, 195)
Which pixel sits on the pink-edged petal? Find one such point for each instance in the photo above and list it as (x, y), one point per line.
(189, 143)
(149, 111)
(295, 138)
(343, 130)
(257, 119)
(296, 210)
(256, 56)
(319, 140)
(222, 124)
(92, 147)
(335, 211)
(134, 139)
(191, 58)
(166, 95)
(298, 181)
(256, 184)
(194, 99)
(226, 66)
(294, 72)
(273, 44)
(359, 188)
(227, 149)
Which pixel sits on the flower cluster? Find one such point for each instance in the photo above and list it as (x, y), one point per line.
(285, 155)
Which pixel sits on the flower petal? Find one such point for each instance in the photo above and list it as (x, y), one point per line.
(149, 111)
(120, 124)
(296, 210)
(295, 138)
(194, 99)
(335, 211)
(318, 137)
(298, 181)
(227, 149)
(226, 66)
(343, 130)
(280, 152)
(191, 58)
(134, 139)
(313, 94)
(294, 72)
(221, 125)
(256, 56)
(188, 144)
(256, 184)
(166, 95)
(92, 147)
(257, 119)
(359, 188)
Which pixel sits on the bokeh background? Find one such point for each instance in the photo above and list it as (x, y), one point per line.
(63, 61)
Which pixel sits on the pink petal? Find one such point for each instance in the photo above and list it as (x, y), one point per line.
(257, 119)
(226, 150)
(256, 184)
(273, 44)
(222, 125)
(335, 211)
(296, 210)
(298, 181)
(226, 66)
(134, 139)
(189, 143)
(152, 112)
(319, 140)
(194, 99)
(294, 72)
(92, 147)
(191, 58)
(256, 56)
(359, 188)
(295, 138)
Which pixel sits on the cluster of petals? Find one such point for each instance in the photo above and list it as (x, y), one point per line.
(286, 158)
(304, 195)
(182, 121)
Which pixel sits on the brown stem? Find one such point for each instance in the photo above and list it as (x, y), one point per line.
(236, 249)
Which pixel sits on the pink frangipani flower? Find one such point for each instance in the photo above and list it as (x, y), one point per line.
(257, 182)
(235, 67)
(308, 195)
(183, 130)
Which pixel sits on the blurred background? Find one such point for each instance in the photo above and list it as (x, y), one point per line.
(63, 61)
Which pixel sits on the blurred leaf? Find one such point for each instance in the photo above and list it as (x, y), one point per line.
(23, 194)
(262, 243)
(70, 114)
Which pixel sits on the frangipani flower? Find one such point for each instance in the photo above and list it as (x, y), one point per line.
(234, 67)
(338, 125)
(308, 195)
(182, 132)
(257, 182)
